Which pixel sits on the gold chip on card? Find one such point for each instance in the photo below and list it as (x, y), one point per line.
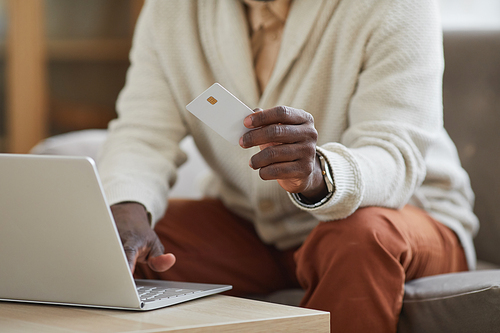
(211, 100)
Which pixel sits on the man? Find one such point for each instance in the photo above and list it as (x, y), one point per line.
(348, 189)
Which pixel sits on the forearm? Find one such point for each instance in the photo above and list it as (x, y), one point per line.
(139, 159)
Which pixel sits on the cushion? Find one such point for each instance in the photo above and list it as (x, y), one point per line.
(79, 143)
(457, 302)
(191, 175)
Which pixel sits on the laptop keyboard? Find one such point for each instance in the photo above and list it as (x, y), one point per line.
(151, 294)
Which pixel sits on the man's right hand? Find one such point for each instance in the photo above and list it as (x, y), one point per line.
(140, 242)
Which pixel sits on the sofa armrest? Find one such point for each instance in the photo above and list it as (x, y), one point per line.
(457, 302)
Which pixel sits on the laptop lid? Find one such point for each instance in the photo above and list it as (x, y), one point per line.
(58, 240)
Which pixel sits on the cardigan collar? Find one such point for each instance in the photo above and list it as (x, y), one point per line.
(224, 32)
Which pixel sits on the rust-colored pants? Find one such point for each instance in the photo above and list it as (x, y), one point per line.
(355, 268)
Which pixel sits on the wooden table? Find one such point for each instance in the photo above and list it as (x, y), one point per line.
(216, 313)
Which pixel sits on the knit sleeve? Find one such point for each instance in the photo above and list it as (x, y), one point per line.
(394, 114)
(139, 159)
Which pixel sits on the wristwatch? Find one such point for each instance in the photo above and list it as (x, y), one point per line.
(327, 175)
(330, 185)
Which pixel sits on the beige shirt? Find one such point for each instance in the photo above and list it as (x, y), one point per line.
(266, 21)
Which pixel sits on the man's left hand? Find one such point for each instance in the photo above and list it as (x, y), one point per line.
(287, 138)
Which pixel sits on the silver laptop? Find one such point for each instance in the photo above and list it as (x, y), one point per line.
(59, 243)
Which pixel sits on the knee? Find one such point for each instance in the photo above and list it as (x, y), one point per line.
(366, 235)
(370, 229)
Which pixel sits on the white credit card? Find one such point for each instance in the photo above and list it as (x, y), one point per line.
(222, 112)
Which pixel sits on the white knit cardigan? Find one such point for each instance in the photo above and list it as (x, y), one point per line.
(369, 71)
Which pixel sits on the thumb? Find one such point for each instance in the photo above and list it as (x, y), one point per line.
(156, 249)
(157, 260)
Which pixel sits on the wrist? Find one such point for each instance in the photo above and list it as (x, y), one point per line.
(319, 189)
(322, 192)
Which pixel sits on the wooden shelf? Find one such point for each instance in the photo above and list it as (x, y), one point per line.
(2, 50)
(78, 116)
(88, 50)
(26, 89)
(85, 50)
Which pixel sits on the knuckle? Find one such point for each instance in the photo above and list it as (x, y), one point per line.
(275, 131)
(309, 117)
(270, 153)
(310, 129)
(314, 134)
(282, 111)
(280, 130)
